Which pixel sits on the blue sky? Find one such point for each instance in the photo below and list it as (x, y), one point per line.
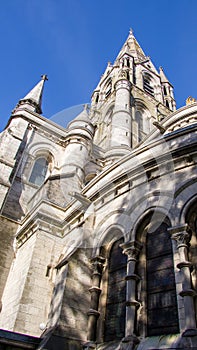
(72, 41)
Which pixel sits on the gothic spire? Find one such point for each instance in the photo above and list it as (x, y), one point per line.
(163, 77)
(34, 98)
(132, 47)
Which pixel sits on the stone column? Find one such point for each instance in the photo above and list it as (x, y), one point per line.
(93, 314)
(131, 249)
(182, 236)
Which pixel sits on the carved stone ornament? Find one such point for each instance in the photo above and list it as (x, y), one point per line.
(182, 238)
(131, 249)
(97, 265)
(181, 234)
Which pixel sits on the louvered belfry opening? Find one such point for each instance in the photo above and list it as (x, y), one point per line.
(116, 294)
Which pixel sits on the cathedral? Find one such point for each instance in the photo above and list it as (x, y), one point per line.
(98, 221)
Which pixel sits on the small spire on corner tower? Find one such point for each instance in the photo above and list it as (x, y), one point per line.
(163, 77)
(33, 100)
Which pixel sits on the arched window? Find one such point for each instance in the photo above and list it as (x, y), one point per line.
(142, 116)
(191, 220)
(164, 91)
(39, 171)
(147, 83)
(139, 120)
(116, 294)
(157, 287)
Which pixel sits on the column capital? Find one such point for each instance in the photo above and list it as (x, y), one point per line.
(97, 264)
(181, 234)
(131, 249)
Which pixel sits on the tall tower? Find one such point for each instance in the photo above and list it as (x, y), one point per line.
(125, 102)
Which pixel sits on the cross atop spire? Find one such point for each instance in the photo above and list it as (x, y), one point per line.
(44, 77)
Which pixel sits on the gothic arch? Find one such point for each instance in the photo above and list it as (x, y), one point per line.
(191, 201)
(184, 196)
(152, 213)
(106, 235)
(108, 224)
(43, 148)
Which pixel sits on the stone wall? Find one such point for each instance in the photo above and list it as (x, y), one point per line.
(7, 232)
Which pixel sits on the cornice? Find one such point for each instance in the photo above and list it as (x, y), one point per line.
(38, 120)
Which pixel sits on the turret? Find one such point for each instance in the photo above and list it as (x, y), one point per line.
(16, 136)
(78, 144)
(168, 94)
(125, 102)
(33, 100)
(121, 118)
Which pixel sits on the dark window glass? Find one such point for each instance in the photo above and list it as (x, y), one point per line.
(39, 171)
(139, 120)
(162, 317)
(116, 294)
(164, 90)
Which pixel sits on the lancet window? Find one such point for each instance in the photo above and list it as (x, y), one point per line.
(116, 294)
(39, 171)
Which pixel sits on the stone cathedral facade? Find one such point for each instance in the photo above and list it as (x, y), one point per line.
(98, 224)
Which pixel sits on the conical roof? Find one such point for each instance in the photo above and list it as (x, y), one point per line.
(83, 116)
(163, 77)
(34, 97)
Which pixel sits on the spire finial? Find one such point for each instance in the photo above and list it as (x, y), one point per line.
(131, 31)
(44, 77)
